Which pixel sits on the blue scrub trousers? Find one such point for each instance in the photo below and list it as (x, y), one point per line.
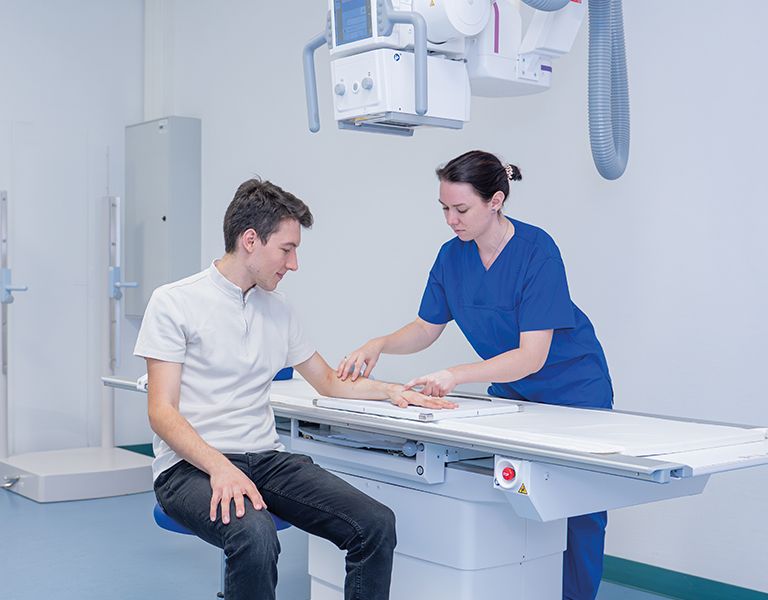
(583, 558)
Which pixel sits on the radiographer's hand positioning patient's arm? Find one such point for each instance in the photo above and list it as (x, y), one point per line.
(439, 383)
(366, 356)
(321, 377)
(228, 483)
(508, 366)
(415, 336)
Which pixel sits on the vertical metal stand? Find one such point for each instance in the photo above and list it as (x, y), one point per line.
(6, 297)
(74, 473)
(4, 424)
(108, 396)
(115, 309)
(114, 291)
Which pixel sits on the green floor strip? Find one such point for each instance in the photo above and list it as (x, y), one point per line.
(145, 449)
(671, 583)
(628, 573)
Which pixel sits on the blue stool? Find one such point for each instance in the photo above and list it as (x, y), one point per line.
(165, 522)
(283, 374)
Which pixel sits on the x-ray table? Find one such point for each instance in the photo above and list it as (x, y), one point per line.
(482, 501)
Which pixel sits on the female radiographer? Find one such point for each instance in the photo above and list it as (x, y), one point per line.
(503, 282)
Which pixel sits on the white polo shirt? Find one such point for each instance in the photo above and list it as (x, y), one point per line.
(230, 345)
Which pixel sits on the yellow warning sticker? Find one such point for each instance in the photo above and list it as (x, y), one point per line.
(522, 490)
(432, 3)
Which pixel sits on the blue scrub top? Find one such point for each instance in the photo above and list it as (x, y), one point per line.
(524, 290)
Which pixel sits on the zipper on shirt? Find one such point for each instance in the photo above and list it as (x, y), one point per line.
(245, 318)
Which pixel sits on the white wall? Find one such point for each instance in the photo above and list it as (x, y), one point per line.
(669, 261)
(71, 79)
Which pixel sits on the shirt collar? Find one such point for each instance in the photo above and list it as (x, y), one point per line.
(225, 285)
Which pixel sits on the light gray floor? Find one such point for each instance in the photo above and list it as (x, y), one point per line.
(111, 549)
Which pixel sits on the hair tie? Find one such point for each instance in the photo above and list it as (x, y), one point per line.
(513, 173)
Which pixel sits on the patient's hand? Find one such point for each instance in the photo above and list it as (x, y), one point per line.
(229, 483)
(403, 398)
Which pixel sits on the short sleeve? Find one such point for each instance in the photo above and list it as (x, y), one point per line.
(162, 335)
(434, 302)
(546, 303)
(299, 347)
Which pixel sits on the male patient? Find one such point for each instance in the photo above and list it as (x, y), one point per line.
(213, 342)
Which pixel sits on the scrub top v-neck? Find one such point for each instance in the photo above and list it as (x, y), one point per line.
(524, 289)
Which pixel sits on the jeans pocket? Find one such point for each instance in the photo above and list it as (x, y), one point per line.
(167, 484)
(305, 458)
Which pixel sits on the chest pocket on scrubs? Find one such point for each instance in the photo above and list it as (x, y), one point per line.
(490, 330)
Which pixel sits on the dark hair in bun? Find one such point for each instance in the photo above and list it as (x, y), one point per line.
(482, 170)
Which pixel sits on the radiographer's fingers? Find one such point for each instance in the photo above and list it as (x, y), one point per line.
(359, 362)
(413, 383)
(344, 367)
(437, 390)
(425, 383)
(369, 366)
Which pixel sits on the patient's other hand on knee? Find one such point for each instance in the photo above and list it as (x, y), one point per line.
(230, 483)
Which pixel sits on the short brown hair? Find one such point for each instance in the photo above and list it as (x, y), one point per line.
(261, 206)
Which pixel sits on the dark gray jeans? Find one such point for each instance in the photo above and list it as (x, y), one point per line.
(300, 492)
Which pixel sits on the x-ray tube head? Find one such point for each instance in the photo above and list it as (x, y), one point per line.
(453, 20)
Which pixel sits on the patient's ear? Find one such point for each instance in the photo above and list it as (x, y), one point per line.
(249, 239)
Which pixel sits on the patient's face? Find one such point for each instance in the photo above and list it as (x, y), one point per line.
(271, 261)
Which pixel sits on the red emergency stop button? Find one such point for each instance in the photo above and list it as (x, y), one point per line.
(508, 473)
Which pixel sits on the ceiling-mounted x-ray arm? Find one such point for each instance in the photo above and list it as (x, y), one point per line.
(310, 80)
(388, 17)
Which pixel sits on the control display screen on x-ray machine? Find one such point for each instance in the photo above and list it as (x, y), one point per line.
(353, 20)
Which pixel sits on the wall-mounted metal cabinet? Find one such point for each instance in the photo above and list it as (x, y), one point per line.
(162, 205)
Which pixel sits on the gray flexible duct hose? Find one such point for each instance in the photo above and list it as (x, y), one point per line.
(547, 5)
(608, 90)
